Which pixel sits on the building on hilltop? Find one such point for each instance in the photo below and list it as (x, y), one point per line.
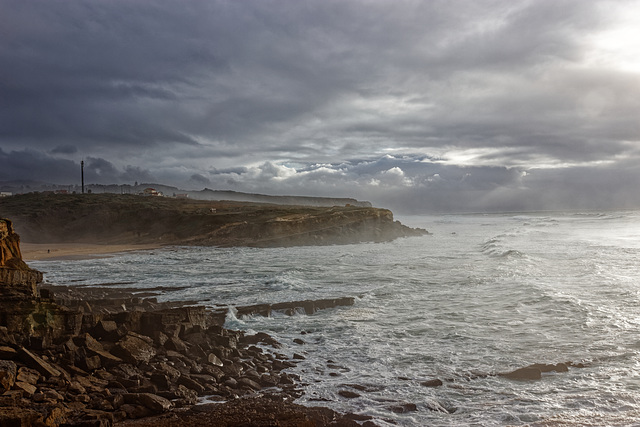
(151, 192)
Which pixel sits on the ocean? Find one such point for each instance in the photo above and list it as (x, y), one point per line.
(483, 294)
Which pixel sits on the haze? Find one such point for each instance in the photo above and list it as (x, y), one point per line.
(418, 106)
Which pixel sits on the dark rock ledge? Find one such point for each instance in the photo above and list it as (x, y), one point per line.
(68, 358)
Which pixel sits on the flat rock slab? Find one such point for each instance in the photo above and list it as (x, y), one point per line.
(37, 363)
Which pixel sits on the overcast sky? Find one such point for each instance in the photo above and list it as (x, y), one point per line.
(418, 106)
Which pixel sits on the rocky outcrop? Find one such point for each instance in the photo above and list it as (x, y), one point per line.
(17, 280)
(330, 226)
(21, 310)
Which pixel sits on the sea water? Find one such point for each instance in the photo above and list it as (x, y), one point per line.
(481, 295)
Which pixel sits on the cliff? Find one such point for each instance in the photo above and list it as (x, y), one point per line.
(129, 219)
(21, 310)
(16, 278)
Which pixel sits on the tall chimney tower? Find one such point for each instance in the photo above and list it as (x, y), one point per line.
(82, 174)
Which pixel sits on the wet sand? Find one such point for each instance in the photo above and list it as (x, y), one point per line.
(71, 251)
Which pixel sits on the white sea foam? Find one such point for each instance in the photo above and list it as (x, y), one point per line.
(484, 294)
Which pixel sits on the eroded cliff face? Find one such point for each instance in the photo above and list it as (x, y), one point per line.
(16, 278)
(327, 227)
(22, 311)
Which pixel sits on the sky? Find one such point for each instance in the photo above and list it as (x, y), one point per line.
(417, 106)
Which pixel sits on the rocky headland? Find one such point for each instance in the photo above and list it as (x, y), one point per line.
(132, 219)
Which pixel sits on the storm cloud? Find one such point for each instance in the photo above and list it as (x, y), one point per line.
(414, 105)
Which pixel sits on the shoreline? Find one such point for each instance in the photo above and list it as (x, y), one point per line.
(128, 360)
(76, 251)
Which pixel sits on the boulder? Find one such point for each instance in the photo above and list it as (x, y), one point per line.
(214, 360)
(432, 383)
(106, 329)
(154, 403)
(27, 389)
(191, 384)
(524, 374)
(133, 349)
(348, 394)
(28, 375)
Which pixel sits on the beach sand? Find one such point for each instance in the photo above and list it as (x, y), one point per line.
(71, 251)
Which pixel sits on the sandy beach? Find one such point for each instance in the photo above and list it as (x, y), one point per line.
(71, 251)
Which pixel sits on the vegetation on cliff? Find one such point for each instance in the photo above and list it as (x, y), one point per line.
(129, 219)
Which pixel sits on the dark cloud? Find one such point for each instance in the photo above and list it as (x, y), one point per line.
(197, 179)
(440, 104)
(65, 149)
(30, 164)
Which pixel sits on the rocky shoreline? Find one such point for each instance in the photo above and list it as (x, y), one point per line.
(103, 356)
(131, 358)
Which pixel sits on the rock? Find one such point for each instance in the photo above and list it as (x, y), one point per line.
(96, 418)
(106, 329)
(36, 362)
(191, 384)
(90, 363)
(160, 380)
(56, 416)
(11, 398)
(17, 280)
(527, 373)
(135, 411)
(133, 349)
(52, 395)
(76, 387)
(248, 382)
(432, 383)
(403, 408)
(435, 406)
(7, 353)
(19, 417)
(558, 367)
(168, 370)
(214, 360)
(28, 375)
(260, 337)
(159, 338)
(28, 389)
(348, 394)
(154, 403)
(8, 372)
(175, 344)
(96, 348)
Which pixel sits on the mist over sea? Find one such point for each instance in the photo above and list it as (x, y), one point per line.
(484, 294)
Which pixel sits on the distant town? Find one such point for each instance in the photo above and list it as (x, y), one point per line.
(122, 189)
(12, 188)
